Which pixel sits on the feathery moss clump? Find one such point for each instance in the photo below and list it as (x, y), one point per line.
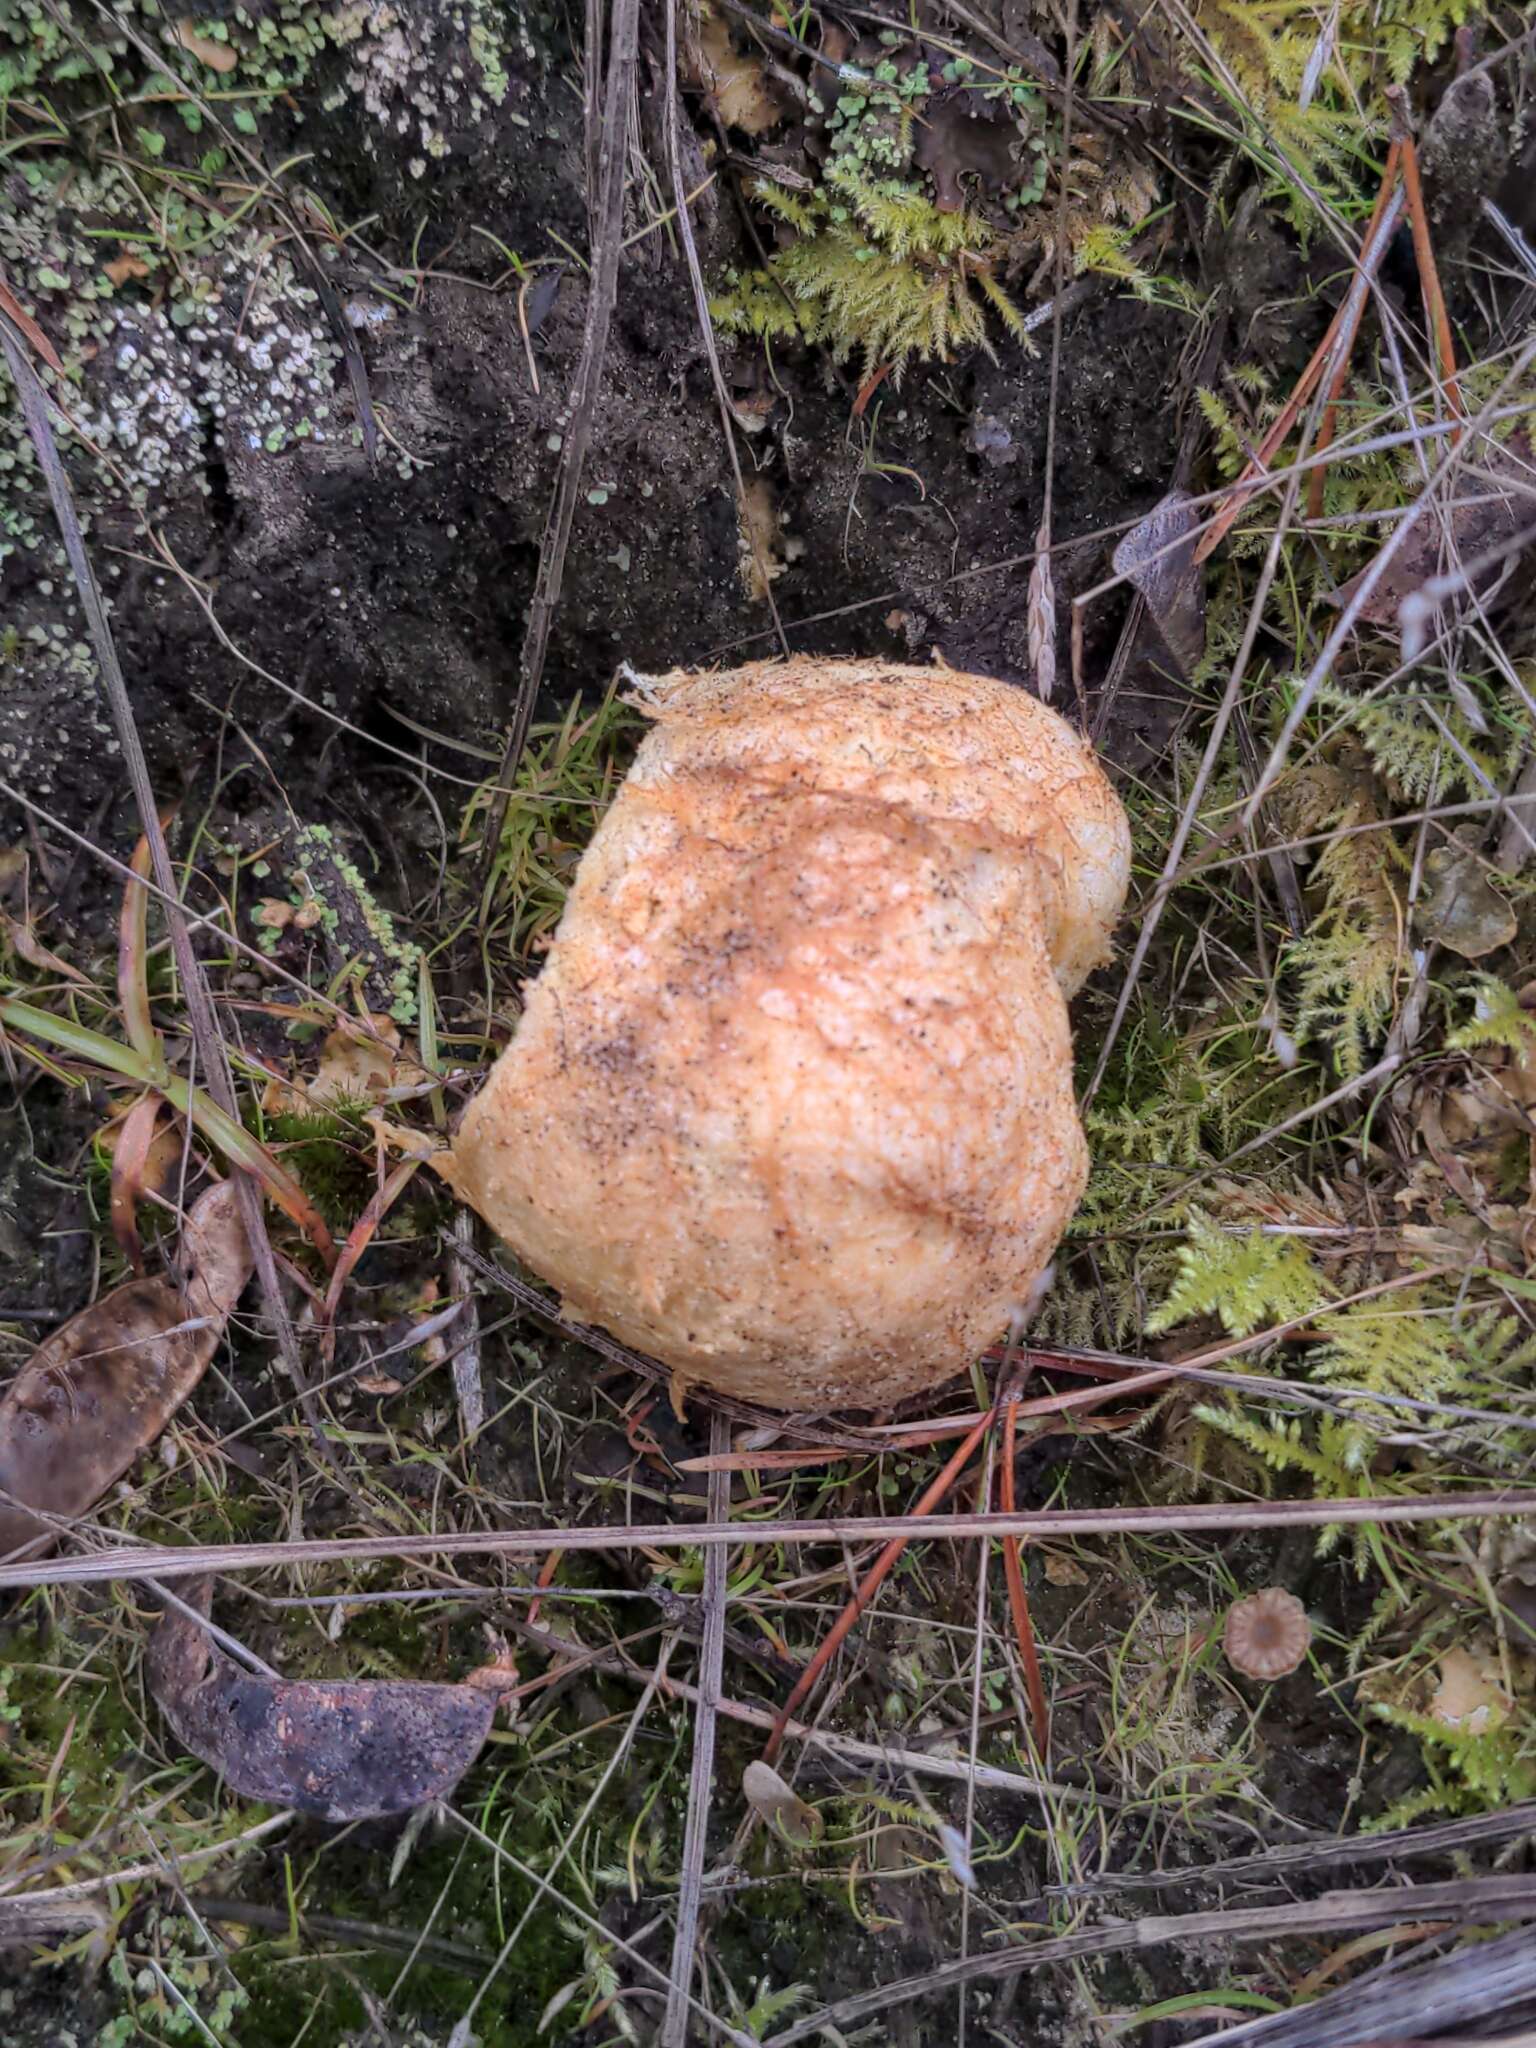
(873, 266)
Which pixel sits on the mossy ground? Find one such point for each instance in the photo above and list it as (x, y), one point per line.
(312, 642)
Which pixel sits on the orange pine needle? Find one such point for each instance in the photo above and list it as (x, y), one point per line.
(359, 1237)
(869, 1586)
(1348, 314)
(545, 1579)
(1435, 315)
(1329, 421)
(1018, 1600)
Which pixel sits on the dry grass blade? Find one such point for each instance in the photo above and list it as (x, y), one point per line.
(1329, 420)
(170, 1561)
(1329, 358)
(1365, 586)
(359, 1237)
(226, 1133)
(1424, 255)
(1465, 1986)
(206, 1036)
(1152, 913)
(701, 1777)
(136, 1873)
(1461, 1900)
(706, 324)
(468, 1378)
(462, 2035)
(133, 962)
(882, 1757)
(130, 1157)
(608, 223)
(33, 335)
(1290, 1859)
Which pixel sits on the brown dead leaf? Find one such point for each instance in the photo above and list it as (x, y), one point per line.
(217, 56)
(743, 94)
(964, 138)
(101, 1389)
(377, 1383)
(1469, 1696)
(1460, 908)
(17, 313)
(342, 1751)
(30, 948)
(1157, 557)
(1061, 1570)
(121, 268)
(781, 1806)
(356, 1065)
(1495, 503)
(762, 548)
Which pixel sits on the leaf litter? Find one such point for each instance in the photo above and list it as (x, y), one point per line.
(100, 1389)
(339, 1750)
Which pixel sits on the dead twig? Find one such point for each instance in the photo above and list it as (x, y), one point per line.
(124, 1561)
(848, 1749)
(1396, 2006)
(701, 1778)
(468, 1382)
(608, 221)
(672, 116)
(1460, 1900)
(207, 1039)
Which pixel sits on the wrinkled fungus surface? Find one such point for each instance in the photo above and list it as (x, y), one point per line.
(791, 1105)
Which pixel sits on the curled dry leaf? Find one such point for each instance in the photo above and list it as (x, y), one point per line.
(778, 1804)
(1460, 908)
(1042, 618)
(144, 1161)
(739, 85)
(1157, 557)
(342, 1751)
(31, 949)
(122, 268)
(357, 1064)
(16, 312)
(1491, 516)
(162, 1161)
(101, 1389)
(1470, 1695)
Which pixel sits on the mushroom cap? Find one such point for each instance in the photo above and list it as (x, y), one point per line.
(1268, 1634)
(790, 1107)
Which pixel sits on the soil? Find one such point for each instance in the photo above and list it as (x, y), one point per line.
(384, 596)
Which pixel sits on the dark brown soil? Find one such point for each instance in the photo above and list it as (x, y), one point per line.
(374, 593)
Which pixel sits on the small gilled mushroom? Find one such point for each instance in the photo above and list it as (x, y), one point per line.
(791, 1107)
(1267, 1635)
